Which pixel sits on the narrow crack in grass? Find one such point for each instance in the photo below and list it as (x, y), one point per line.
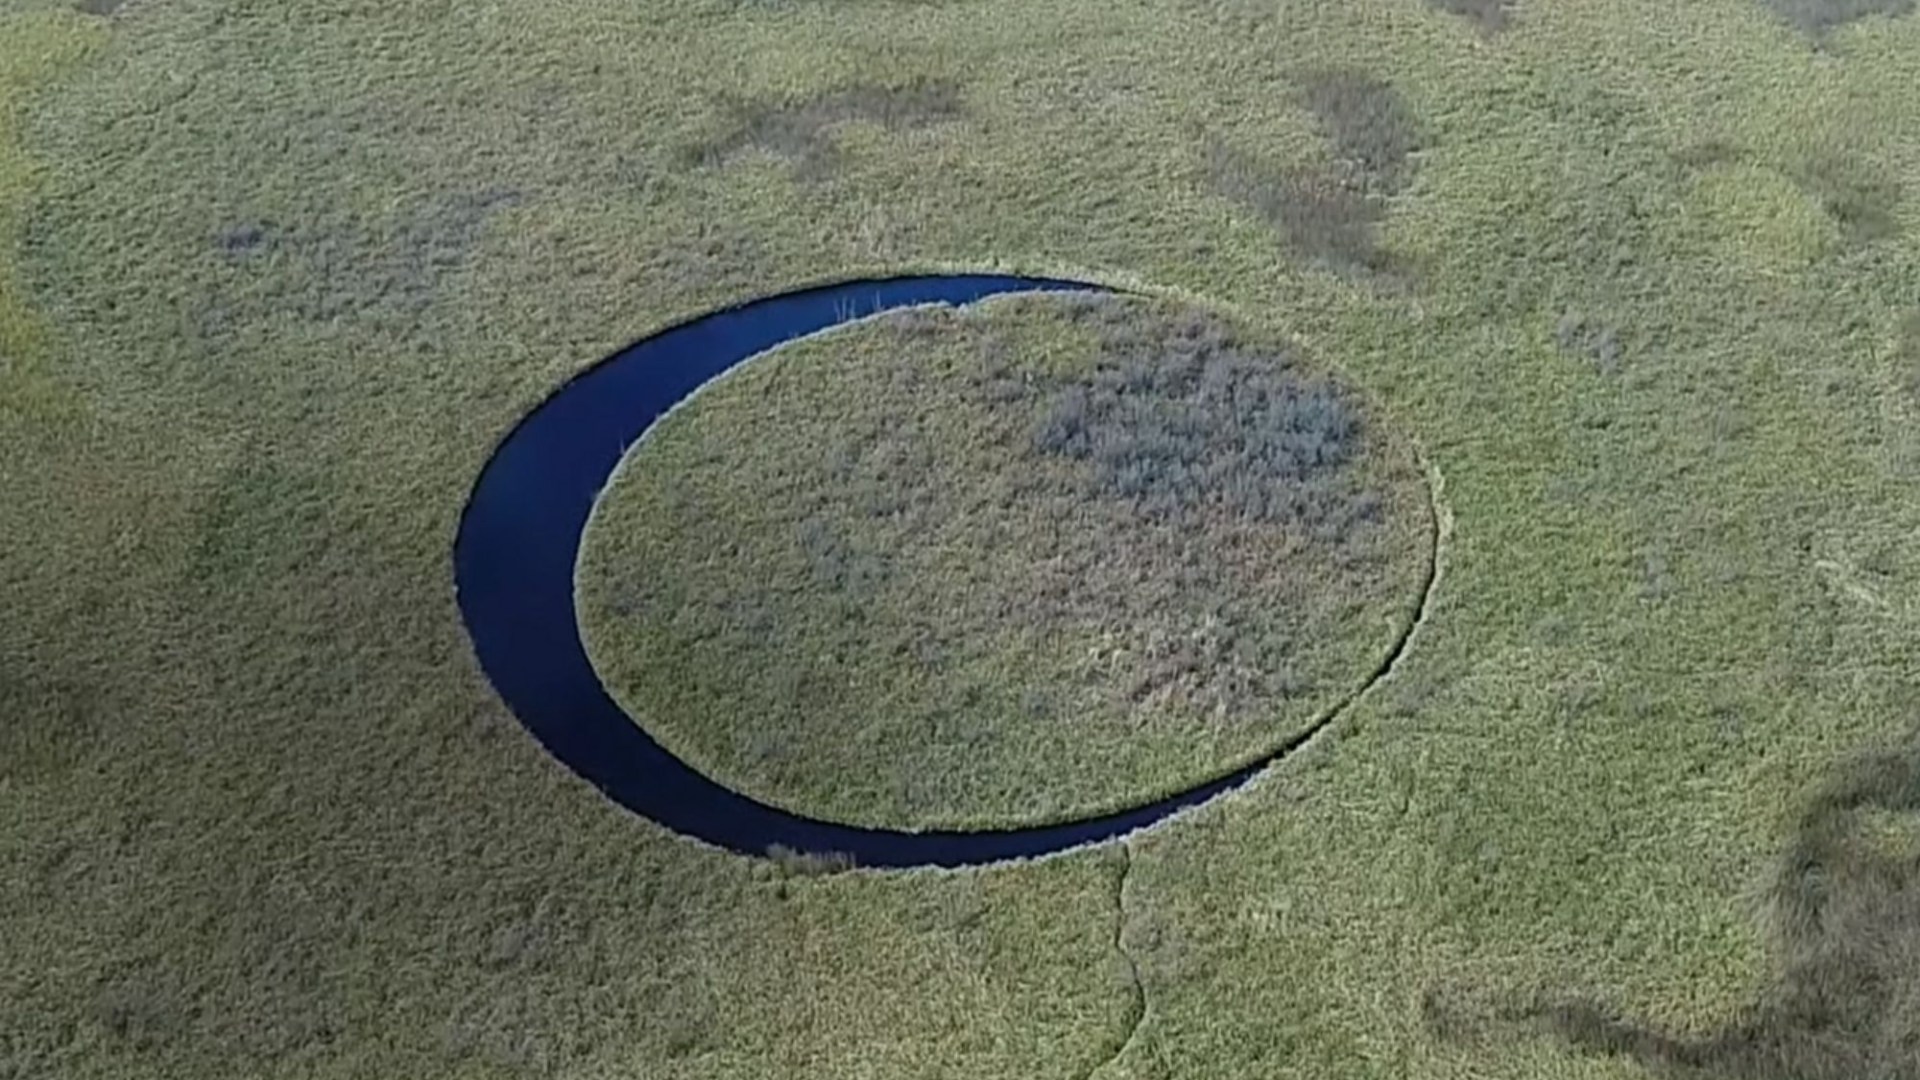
(1138, 1009)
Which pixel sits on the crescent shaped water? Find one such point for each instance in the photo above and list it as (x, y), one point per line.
(519, 541)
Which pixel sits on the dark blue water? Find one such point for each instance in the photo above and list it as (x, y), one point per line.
(520, 537)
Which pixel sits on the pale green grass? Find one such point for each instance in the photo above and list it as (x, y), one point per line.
(972, 570)
(40, 44)
(295, 268)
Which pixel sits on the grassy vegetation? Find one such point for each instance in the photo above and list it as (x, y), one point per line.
(1907, 355)
(40, 44)
(1843, 910)
(1043, 560)
(1489, 15)
(270, 822)
(800, 131)
(1820, 16)
(1330, 212)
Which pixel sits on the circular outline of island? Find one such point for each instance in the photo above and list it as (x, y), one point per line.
(519, 542)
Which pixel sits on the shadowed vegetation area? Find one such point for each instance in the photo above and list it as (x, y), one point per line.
(1906, 354)
(1491, 16)
(1865, 205)
(274, 281)
(802, 131)
(1320, 217)
(1818, 17)
(1370, 128)
(1331, 215)
(1846, 921)
(1597, 341)
(329, 270)
(1041, 560)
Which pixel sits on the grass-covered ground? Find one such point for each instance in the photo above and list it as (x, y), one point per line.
(1639, 277)
(1040, 559)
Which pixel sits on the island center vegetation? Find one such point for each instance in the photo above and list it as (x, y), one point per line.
(997, 566)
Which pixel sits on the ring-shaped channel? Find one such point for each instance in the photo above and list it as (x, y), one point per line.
(519, 542)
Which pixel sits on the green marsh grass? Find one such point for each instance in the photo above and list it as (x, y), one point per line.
(264, 817)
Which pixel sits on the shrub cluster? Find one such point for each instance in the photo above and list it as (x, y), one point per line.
(1189, 422)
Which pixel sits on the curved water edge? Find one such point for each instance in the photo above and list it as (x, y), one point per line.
(519, 541)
